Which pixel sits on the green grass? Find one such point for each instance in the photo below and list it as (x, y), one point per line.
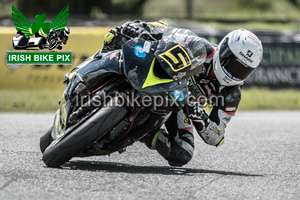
(264, 99)
(47, 100)
(29, 100)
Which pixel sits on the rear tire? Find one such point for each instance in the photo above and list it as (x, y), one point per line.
(46, 140)
(62, 150)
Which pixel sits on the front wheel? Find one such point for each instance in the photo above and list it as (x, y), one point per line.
(66, 147)
(52, 44)
(46, 140)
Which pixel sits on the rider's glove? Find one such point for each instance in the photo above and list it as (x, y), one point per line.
(199, 117)
(132, 29)
(208, 130)
(108, 38)
(112, 41)
(213, 135)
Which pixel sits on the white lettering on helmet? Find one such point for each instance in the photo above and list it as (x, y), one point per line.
(246, 56)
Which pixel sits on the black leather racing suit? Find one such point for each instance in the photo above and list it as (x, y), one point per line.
(176, 144)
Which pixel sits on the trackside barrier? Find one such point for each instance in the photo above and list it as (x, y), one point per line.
(280, 67)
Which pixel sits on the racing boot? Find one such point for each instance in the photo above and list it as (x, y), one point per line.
(177, 150)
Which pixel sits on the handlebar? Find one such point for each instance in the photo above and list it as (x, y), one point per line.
(119, 33)
(128, 37)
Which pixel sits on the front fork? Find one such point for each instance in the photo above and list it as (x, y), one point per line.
(56, 130)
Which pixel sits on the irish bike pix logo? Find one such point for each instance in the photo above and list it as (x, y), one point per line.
(40, 35)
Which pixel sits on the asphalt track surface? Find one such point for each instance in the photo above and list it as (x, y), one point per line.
(259, 160)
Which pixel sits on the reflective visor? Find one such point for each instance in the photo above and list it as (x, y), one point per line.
(233, 66)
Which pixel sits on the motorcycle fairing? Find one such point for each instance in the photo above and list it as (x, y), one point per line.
(151, 79)
(101, 66)
(145, 74)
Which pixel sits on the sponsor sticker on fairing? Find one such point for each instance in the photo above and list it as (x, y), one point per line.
(147, 46)
(139, 51)
(112, 55)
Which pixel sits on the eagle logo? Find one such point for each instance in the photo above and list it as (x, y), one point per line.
(40, 26)
(47, 35)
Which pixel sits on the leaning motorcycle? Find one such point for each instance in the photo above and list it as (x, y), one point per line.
(88, 123)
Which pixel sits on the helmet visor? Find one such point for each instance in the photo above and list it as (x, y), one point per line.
(232, 65)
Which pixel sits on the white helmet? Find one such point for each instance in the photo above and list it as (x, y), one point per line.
(236, 57)
(66, 30)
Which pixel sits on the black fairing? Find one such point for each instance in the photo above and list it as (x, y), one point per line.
(101, 66)
(136, 70)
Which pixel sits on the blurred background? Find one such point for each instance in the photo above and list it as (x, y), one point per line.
(274, 85)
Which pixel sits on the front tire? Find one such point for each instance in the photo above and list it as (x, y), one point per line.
(46, 140)
(52, 44)
(62, 150)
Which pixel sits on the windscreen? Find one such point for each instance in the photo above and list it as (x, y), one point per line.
(180, 51)
(187, 39)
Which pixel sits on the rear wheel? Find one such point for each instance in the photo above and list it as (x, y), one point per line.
(66, 147)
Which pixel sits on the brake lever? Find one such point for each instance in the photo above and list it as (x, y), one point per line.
(122, 34)
(129, 38)
(147, 34)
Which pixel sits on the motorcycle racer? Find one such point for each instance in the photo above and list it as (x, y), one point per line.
(226, 67)
(56, 38)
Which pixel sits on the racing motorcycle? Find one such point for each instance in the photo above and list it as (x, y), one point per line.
(87, 124)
